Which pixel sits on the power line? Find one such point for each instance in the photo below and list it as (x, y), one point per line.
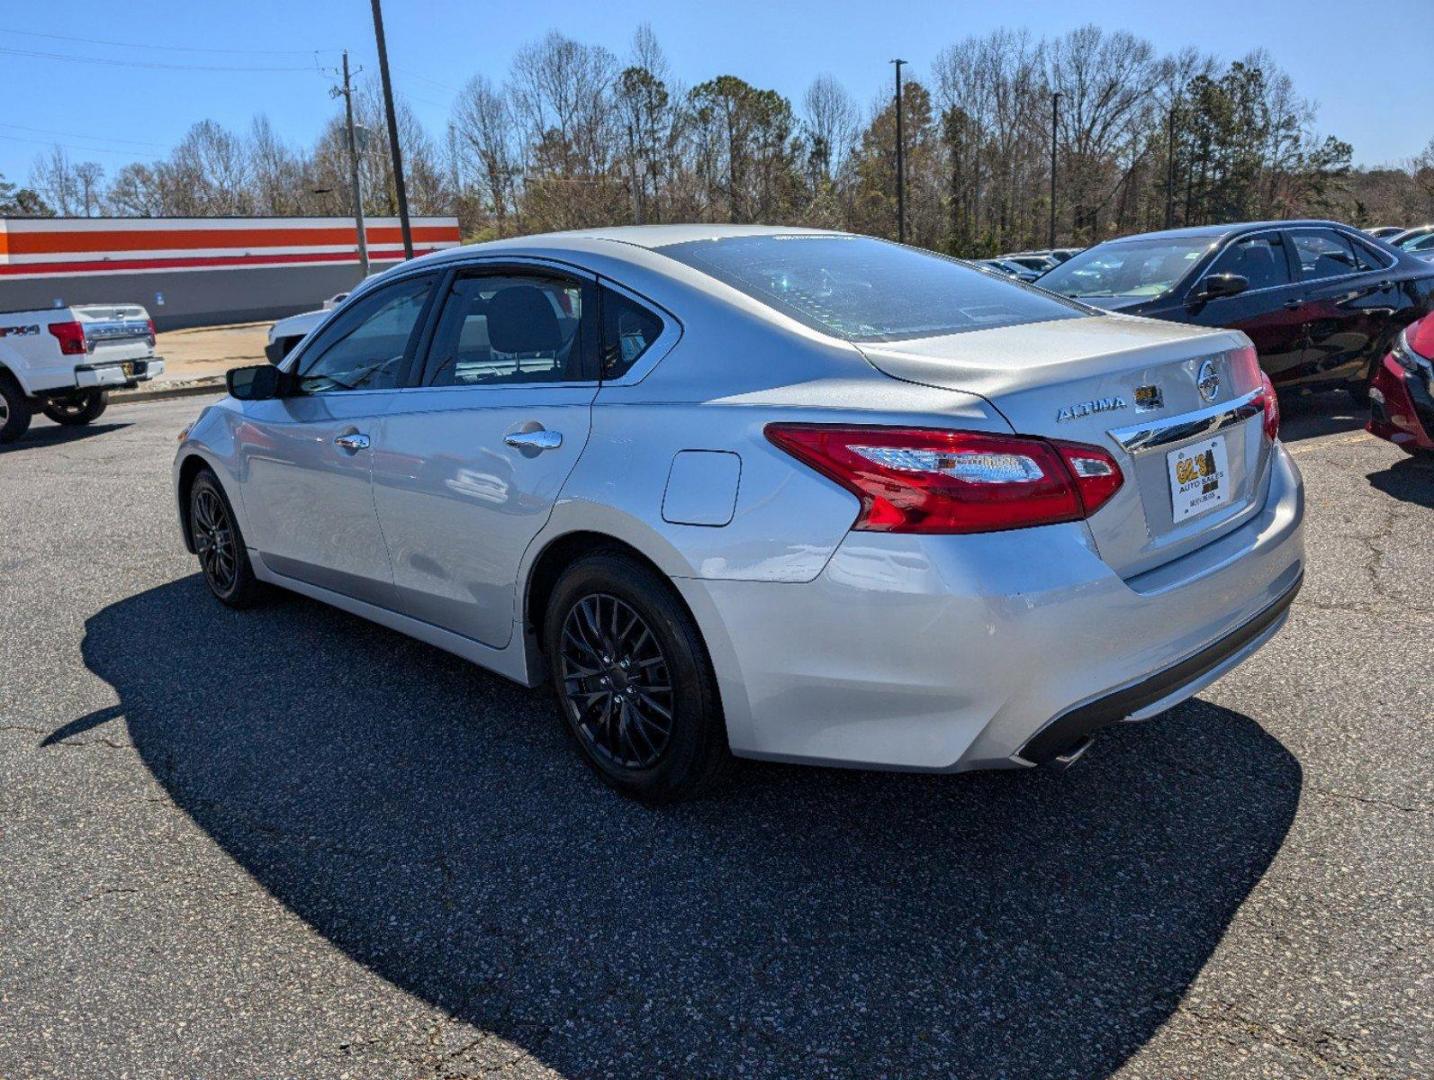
(77, 135)
(141, 63)
(67, 146)
(165, 48)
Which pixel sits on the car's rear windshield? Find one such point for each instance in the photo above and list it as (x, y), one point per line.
(861, 289)
(1128, 267)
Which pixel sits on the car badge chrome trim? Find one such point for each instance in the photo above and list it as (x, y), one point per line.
(1208, 381)
(1088, 408)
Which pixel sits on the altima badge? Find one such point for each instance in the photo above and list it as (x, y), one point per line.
(1086, 408)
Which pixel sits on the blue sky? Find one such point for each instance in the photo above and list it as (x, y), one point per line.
(1340, 55)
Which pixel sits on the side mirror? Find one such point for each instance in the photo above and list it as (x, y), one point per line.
(1218, 285)
(262, 382)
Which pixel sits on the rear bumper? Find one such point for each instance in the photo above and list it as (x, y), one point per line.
(113, 375)
(962, 652)
(1171, 685)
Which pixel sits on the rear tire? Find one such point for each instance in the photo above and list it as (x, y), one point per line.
(633, 681)
(219, 544)
(82, 409)
(14, 409)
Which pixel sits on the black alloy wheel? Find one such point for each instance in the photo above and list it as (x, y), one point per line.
(219, 544)
(616, 682)
(214, 541)
(633, 680)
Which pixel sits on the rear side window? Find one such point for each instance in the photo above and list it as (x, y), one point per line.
(1258, 259)
(1369, 258)
(629, 329)
(1323, 254)
(504, 329)
(867, 290)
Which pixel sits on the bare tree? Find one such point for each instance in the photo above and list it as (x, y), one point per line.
(53, 176)
(487, 136)
(832, 123)
(1106, 83)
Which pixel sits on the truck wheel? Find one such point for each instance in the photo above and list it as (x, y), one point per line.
(14, 409)
(81, 409)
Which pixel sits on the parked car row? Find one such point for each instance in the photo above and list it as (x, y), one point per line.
(1417, 241)
(1322, 302)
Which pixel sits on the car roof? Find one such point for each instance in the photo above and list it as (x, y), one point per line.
(650, 237)
(1218, 232)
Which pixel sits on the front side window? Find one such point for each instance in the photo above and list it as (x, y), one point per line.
(1134, 268)
(509, 328)
(367, 347)
(629, 330)
(866, 290)
(1260, 260)
(1323, 254)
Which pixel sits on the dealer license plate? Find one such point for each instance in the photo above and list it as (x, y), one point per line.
(1199, 478)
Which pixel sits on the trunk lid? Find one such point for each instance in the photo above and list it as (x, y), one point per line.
(1132, 387)
(115, 332)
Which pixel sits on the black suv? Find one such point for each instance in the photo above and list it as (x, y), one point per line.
(1321, 301)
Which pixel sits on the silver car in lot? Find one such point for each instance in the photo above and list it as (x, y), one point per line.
(772, 493)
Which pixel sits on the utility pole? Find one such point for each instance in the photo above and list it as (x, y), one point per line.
(348, 95)
(1170, 170)
(900, 162)
(393, 147)
(1055, 123)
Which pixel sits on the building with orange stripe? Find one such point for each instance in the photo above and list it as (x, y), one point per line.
(198, 271)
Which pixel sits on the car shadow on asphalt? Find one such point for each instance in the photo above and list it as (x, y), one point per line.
(1308, 416)
(43, 435)
(1410, 479)
(432, 822)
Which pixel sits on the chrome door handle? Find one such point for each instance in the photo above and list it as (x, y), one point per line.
(353, 441)
(542, 439)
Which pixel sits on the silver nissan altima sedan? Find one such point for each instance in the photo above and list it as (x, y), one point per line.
(772, 493)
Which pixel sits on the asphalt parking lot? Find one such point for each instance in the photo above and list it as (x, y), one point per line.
(287, 843)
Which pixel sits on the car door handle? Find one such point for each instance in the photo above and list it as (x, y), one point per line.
(353, 441)
(542, 439)
(1290, 305)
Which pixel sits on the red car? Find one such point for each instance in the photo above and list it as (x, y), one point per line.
(1401, 394)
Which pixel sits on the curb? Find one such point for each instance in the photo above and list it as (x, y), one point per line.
(165, 391)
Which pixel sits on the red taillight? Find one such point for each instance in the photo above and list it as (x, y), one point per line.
(149, 325)
(71, 336)
(924, 480)
(1270, 402)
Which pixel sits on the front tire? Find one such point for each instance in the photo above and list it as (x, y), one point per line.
(220, 545)
(633, 680)
(82, 409)
(14, 409)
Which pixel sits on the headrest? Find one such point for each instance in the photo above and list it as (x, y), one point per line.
(521, 320)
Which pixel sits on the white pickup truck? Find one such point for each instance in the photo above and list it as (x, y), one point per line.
(63, 361)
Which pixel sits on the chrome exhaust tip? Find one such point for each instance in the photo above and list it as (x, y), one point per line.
(1071, 754)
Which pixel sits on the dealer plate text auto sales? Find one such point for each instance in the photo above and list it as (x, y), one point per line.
(1199, 478)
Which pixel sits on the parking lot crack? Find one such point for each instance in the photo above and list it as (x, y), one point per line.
(1330, 1050)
